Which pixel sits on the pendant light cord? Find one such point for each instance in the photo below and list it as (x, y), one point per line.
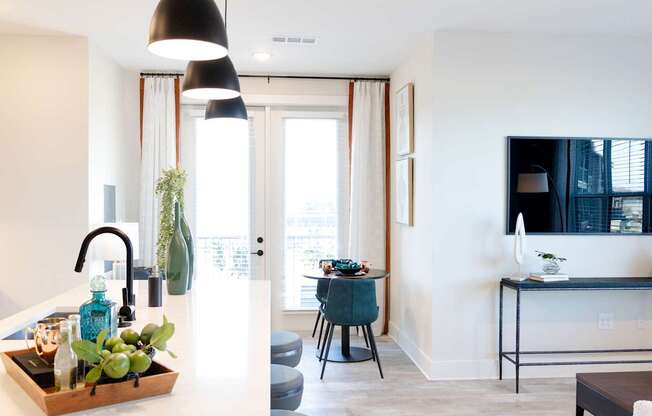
(226, 10)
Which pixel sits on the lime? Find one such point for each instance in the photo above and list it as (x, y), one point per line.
(130, 336)
(105, 353)
(146, 333)
(112, 342)
(124, 348)
(117, 365)
(140, 362)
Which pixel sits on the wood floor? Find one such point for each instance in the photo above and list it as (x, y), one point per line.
(357, 390)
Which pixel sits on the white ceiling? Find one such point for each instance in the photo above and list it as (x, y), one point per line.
(355, 37)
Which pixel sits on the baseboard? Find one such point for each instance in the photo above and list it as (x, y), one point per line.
(418, 357)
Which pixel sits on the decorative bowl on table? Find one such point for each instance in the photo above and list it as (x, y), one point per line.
(349, 269)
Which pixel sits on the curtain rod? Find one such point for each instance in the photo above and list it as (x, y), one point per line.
(268, 77)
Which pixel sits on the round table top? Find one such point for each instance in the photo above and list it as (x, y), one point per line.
(319, 274)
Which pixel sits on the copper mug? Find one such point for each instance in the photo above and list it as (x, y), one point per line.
(46, 338)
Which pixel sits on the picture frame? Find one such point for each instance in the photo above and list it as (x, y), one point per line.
(404, 175)
(404, 100)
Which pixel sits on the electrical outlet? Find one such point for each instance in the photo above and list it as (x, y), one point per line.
(641, 324)
(605, 320)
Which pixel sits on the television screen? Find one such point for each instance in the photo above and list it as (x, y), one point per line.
(579, 185)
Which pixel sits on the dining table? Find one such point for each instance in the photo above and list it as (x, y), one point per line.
(346, 353)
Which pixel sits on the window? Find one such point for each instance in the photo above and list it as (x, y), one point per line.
(610, 192)
(315, 199)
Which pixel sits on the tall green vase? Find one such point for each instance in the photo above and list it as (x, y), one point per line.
(177, 269)
(187, 236)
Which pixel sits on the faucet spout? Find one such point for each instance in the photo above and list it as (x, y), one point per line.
(130, 299)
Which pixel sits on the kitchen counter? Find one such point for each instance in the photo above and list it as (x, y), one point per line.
(221, 340)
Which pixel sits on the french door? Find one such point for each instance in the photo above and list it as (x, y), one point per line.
(225, 193)
(268, 199)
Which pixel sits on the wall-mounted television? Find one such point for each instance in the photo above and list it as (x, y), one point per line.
(570, 185)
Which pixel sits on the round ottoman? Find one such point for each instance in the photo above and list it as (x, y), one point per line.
(286, 348)
(278, 412)
(286, 387)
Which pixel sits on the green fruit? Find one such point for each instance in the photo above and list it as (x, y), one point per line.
(146, 333)
(140, 362)
(130, 336)
(112, 342)
(105, 353)
(123, 348)
(117, 365)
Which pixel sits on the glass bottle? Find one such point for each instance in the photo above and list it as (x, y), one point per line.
(75, 332)
(177, 269)
(99, 312)
(65, 360)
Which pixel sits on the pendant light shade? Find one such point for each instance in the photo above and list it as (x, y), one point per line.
(233, 108)
(191, 30)
(212, 80)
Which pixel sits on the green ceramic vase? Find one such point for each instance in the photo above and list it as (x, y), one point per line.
(177, 269)
(187, 236)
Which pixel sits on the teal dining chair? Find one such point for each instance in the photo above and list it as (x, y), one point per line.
(350, 303)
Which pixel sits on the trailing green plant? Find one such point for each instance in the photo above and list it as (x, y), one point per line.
(550, 256)
(169, 189)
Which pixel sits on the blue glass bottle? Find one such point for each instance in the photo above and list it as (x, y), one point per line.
(98, 312)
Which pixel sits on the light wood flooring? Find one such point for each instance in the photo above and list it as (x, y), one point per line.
(357, 390)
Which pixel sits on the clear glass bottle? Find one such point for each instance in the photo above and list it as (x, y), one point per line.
(99, 312)
(75, 331)
(65, 360)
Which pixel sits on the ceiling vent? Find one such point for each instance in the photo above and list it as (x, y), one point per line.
(294, 40)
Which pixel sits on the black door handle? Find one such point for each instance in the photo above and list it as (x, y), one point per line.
(259, 239)
(258, 253)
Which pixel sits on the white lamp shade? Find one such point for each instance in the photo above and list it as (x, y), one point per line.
(110, 247)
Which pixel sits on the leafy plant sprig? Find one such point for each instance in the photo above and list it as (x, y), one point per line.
(550, 256)
(90, 352)
(169, 188)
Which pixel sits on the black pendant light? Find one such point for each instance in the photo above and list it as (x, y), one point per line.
(233, 108)
(212, 80)
(188, 30)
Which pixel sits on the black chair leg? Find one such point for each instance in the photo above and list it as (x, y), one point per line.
(366, 339)
(328, 347)
(314, 330)
(321, 329)
(328, 328)
(372, 339)
(364, 334)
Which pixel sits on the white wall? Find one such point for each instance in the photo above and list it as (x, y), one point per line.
(489, 86)
(113, 136)
(411, 283)
(70, 125)
(43, 174)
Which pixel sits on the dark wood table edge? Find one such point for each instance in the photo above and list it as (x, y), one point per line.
(593, 398)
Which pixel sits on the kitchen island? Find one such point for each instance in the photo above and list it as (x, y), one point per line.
(221, 340)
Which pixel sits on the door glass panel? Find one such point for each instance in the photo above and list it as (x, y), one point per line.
(311, 203)
(225, 172)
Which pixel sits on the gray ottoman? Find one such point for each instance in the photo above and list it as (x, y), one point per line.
(286, 348)
(286, 387)
(277, 412)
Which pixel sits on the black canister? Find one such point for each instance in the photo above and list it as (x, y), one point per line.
(155, 287)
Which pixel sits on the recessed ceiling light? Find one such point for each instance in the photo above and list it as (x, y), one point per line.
(262, 56)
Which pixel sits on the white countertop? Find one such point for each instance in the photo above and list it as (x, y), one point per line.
(222, 341)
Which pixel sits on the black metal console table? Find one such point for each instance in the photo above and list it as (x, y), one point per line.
(611, 283)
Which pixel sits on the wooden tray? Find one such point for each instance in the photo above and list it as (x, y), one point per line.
(161, 381)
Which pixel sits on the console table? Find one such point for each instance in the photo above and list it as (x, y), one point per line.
(611, 283)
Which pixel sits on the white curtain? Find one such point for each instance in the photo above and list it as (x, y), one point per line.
(367, 224)
(158, 153)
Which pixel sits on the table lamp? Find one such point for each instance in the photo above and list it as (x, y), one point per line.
(109, 247)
